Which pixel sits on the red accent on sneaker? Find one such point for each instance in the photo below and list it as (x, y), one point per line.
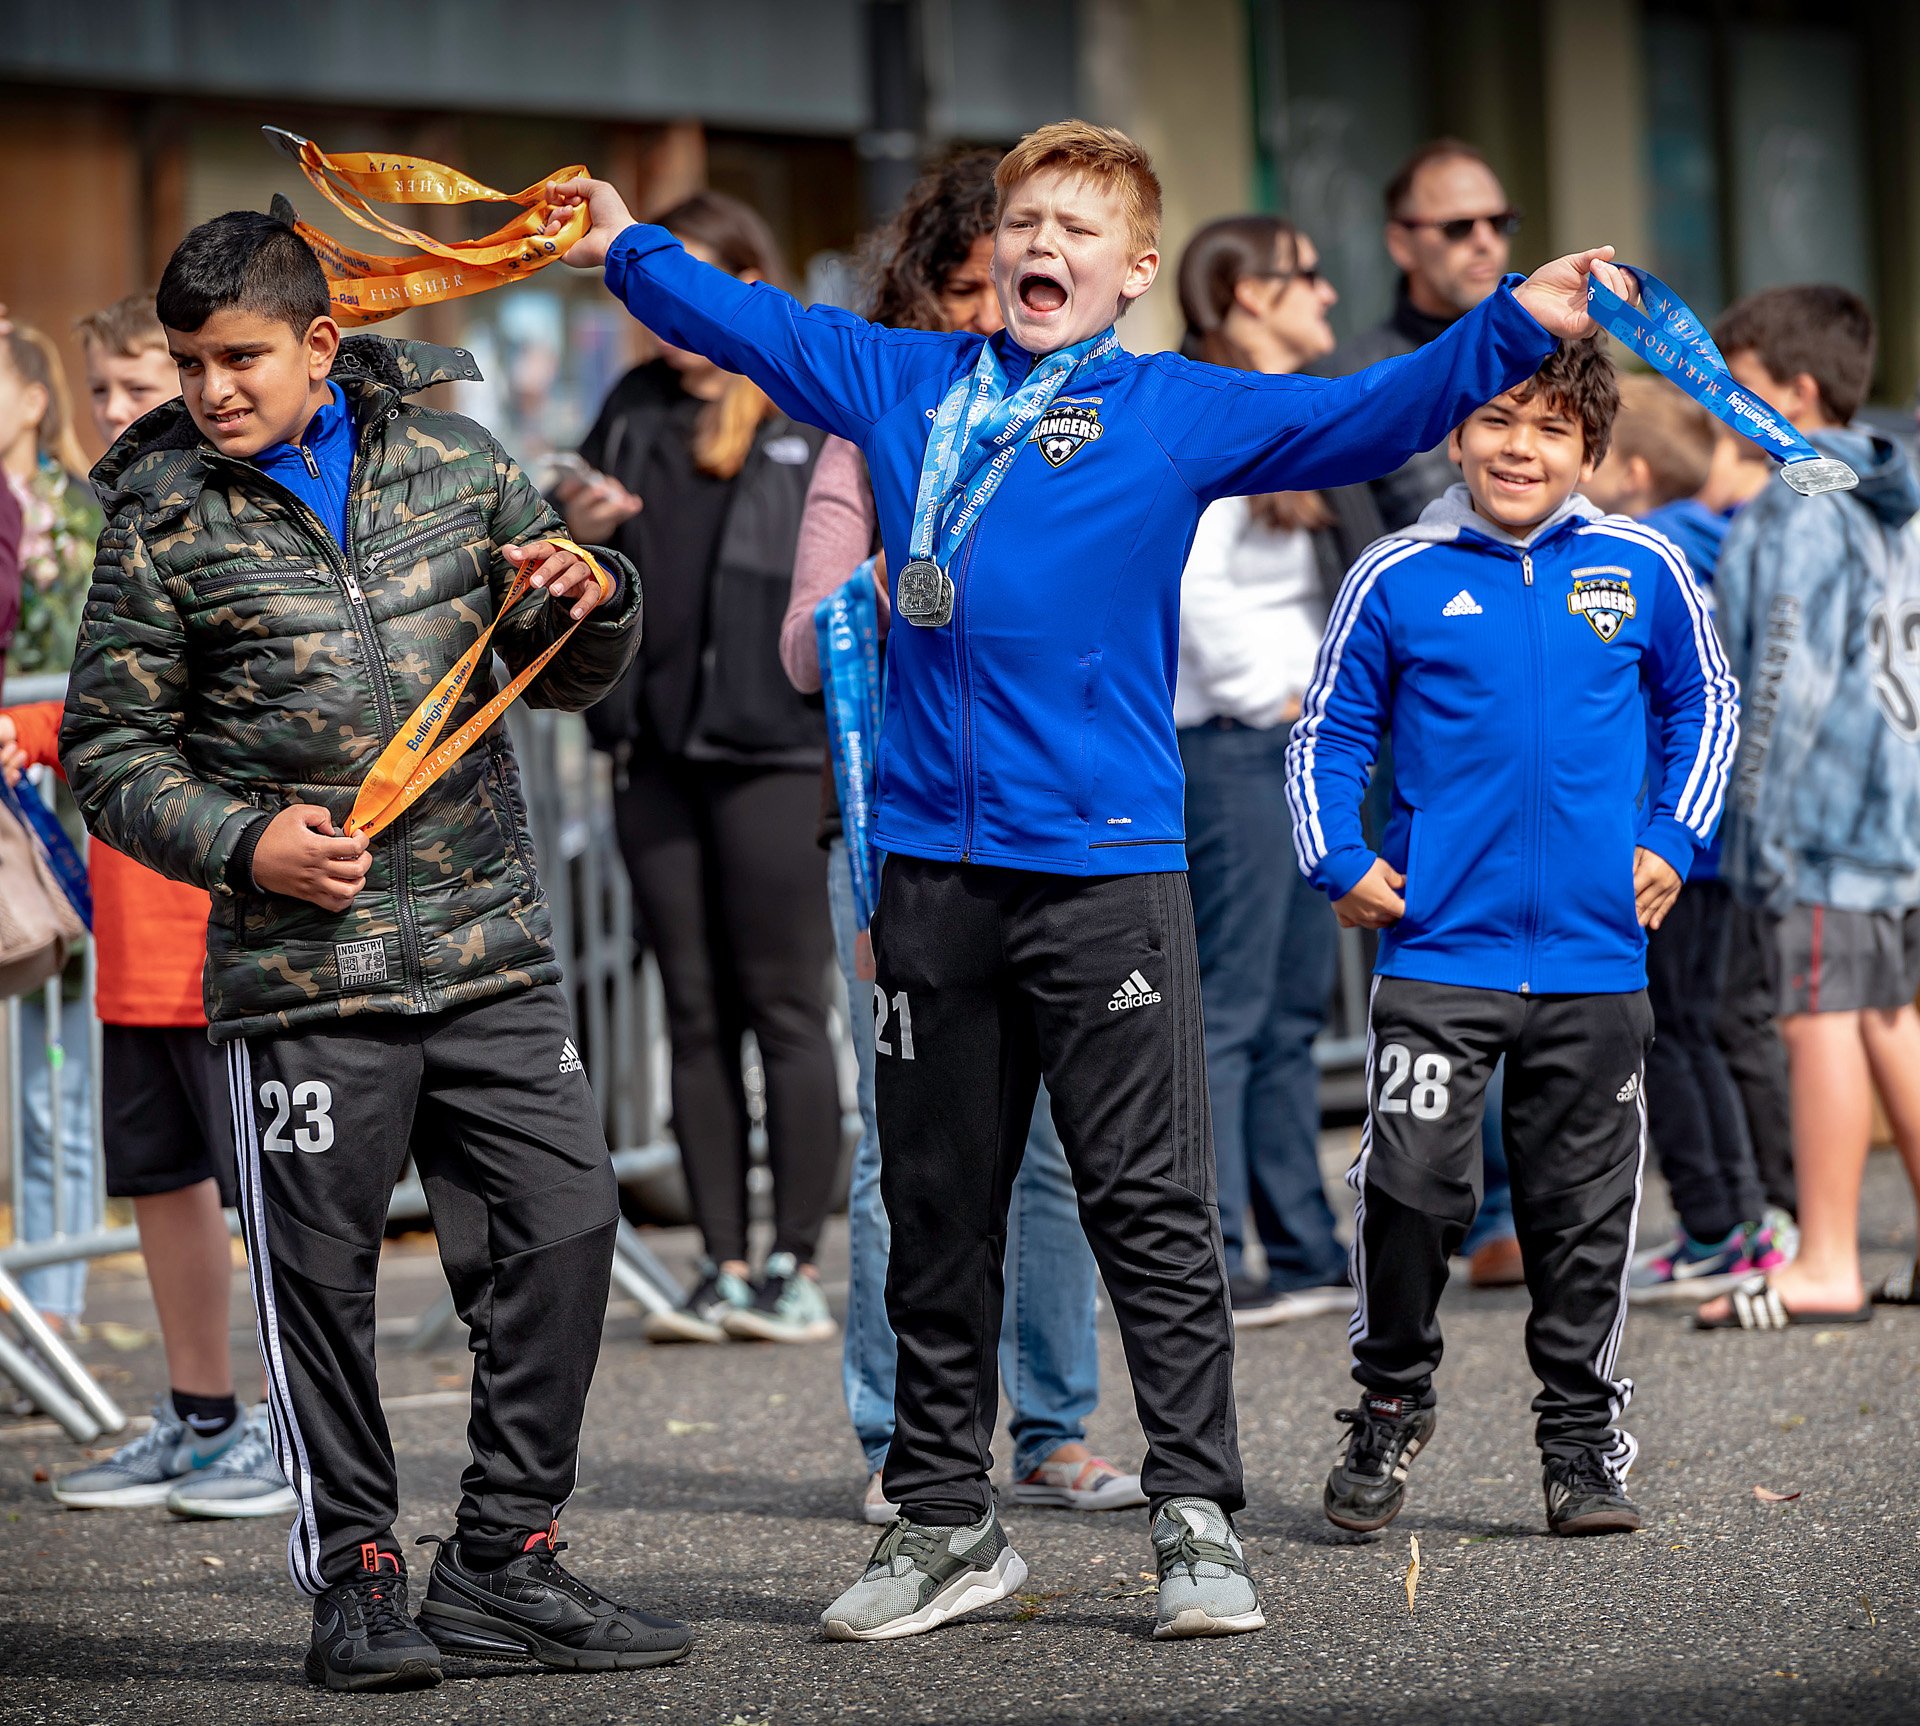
(371, 1558)
(534, 1540)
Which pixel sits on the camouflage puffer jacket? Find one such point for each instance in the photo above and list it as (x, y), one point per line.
(233, 659)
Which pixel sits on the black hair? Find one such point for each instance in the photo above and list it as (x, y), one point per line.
(242, 259)
(1578, 378)
(1823, 330)
(907, 262)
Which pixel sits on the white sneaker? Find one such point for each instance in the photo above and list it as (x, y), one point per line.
(145, 1469)
(1091, 1485)
(246, 1481)
(875, 1508)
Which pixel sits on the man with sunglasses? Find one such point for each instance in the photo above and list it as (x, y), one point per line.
(1449, 228)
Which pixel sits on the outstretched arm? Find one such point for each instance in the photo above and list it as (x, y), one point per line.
(820, 365)
(1238, 432)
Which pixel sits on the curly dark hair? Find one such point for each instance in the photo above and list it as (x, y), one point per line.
(1578, 378)
(907, 262)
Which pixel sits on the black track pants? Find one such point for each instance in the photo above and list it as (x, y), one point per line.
(1575, 1126)
(987, 979)
(492, 1103)
(1749, 1037)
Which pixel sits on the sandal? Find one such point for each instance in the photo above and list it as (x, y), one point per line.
(1091, 1485)
(1755, 1305)
(1898, 1289)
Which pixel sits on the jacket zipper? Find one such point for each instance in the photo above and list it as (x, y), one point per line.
(1536, 792)
(406, 542)
(512, 820)
(966, 700)
(374, 670)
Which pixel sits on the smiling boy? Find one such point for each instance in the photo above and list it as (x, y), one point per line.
(1037, 492)
(1512, 643)
(296, 555)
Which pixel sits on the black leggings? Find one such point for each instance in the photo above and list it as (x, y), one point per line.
(730, 889)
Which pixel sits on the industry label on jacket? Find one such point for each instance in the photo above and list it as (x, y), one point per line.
(1067, 427)
(361, 961)
(1602, 598)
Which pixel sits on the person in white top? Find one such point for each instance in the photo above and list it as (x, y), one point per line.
(1253, 605)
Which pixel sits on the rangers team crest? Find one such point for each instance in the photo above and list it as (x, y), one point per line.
(1067, 426)
(1601, 597)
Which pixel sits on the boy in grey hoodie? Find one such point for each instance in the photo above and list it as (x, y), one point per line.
(1819, 608)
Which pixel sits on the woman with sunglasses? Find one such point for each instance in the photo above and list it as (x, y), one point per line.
(1253, 605)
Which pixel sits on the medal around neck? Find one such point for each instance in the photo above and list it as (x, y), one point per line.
(1664, 332)
(925, 594)
(977, 435)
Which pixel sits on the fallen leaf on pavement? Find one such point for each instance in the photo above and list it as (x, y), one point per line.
(40, 1474)
(683, 1428)
(1413, 1568)
(212, 1563)
(1769, 1497)
(125, 1338)
(1868, 1604)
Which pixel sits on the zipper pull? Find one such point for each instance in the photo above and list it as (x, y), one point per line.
(353, 588)
(306, 455)
(1526, 566)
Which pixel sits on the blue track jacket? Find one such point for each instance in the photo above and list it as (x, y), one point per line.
(1035, 730)
(1516, 677)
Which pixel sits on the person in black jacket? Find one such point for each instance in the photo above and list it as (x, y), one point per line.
(717, 778)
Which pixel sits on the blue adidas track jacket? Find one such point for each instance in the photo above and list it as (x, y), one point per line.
(1035, 731)
(1516, 678)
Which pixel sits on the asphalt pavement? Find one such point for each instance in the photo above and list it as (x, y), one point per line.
(720, 1484)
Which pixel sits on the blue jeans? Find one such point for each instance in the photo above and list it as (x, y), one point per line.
(1049, 1348)
(58, 1289)
(1268, 949)
(1494, 1220)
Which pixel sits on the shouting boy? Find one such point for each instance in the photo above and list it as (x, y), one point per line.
(295, 557)
(1512, 642)
(1037, 493)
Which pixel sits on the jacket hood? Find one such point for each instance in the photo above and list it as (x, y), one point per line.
(157, 458)
(1887, 484)
(1452, 513)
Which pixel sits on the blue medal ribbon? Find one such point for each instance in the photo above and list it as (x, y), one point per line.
(24, 803)
(847, 626)
(1665, 333)
(977, 434)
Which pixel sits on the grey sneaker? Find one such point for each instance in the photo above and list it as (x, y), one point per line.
(246, 1481)
(1204, 1586)
(699, 1319)
(787, 1307)
(920, 1577)
(146, 1469)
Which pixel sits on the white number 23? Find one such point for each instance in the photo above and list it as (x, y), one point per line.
(313, 1101)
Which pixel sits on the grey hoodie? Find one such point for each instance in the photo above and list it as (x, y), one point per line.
(1819, 608)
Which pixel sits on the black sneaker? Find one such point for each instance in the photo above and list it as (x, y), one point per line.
(531, 1608)
(1584, 1498)
(1253, 1303)
(363, 1638)
(1367, 1485)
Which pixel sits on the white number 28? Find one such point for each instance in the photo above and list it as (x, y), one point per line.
(1430, 1073)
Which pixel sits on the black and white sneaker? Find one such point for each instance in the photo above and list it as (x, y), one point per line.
(1368, 1483)
(363, 1638)
(1584, 1498)
(532, 1608)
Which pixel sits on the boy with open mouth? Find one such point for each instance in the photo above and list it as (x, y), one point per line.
(1033, 915)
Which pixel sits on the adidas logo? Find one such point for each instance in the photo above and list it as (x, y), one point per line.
(570, 1058)
(1136, 991)
(1628, 1091)
(1463, 604)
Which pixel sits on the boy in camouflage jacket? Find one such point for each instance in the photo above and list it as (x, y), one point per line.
(295, 555)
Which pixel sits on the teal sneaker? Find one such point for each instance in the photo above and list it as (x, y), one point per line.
(1204, 1586)
(699, 1318)
(246, 1481)
(920, 1577)
(146, 1469)
(787, 1307)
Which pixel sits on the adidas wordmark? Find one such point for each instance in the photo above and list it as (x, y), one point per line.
(1463, 604)
(569, 1057)
(1136, 991)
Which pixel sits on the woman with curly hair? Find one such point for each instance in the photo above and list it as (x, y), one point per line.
(928, 270)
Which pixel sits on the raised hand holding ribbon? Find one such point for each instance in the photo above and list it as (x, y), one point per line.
(1664, 331)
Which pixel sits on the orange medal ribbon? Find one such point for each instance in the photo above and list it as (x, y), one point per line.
(366, 288)
(415, 758)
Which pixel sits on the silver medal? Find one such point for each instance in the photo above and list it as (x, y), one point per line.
(925, 594)
(1810, 478)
